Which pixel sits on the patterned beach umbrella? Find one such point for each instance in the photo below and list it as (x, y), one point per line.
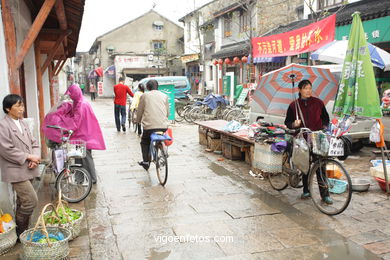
(278, 88)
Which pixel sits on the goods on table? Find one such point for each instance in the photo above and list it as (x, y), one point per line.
(7, 232)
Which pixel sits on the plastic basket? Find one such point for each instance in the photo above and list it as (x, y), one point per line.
(76, 149)
(7, 240)
(337, 186)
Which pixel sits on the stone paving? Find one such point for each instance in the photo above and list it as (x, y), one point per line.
(212, 209)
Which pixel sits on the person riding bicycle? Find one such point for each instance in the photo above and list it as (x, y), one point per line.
(309, 112)
(135, 103)
(153, 112)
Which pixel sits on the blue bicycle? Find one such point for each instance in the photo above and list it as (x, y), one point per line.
(159, 155)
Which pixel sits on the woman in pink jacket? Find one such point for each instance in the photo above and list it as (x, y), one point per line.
(79, 117)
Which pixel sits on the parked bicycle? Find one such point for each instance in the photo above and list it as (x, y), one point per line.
(74, 182)
(326, 176)
(159, 155)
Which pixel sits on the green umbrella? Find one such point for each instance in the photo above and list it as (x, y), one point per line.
(357, 94)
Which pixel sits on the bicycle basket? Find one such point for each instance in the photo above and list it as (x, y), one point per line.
(76, 149)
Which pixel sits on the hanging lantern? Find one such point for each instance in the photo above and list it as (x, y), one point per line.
(236, 60)
(220, 61)
(215, 62)
(244, 59)
(228, 61)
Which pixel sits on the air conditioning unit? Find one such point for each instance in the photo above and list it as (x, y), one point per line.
(150, 57)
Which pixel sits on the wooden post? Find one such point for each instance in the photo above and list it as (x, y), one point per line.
(34, 30)
(41, 100)
(10, 45)
(50, 72)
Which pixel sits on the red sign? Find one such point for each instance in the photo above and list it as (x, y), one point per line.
(305, 39)
(100, 88)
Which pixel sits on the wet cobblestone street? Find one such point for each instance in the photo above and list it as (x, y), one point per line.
(213, 209)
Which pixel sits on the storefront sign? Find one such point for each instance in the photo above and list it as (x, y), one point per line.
(100, 88)
(377, 30)
(189, 58)
(305, 39)
(169, 90)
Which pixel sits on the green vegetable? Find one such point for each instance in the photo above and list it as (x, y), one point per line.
(51, 217)
(44, 241)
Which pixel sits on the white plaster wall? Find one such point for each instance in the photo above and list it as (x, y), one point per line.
(5, 204)
(46, 90)
(62, 82)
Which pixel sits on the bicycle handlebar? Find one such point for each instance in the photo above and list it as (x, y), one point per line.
(63, 130)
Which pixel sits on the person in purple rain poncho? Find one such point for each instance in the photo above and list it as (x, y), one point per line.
(79, 117)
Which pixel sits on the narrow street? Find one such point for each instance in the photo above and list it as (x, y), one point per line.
(213, 209)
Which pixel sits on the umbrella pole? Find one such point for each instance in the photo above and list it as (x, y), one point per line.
(385, 169)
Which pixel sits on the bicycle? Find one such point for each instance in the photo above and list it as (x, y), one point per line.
(159, 155)
(327, 177)
(74, 182)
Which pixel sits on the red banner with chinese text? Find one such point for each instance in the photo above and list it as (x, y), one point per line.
(305, 39)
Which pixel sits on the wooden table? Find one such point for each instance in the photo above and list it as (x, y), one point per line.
(232, 143)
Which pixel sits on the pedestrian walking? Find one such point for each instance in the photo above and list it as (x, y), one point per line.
(153, 112)
(135, 103)
(92, 90)
(82, 87)
(19, 159)
(79, 117)
(121, 91)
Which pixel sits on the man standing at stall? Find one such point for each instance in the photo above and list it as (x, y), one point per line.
(121, 91)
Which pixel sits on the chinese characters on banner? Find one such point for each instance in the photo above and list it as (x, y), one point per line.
(305, 39)
(100, 88)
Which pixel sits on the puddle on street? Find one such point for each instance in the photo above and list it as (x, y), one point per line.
(337, 247)
(158, 255)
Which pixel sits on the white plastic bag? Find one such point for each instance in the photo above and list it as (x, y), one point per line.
(301, 154)
(375, 135)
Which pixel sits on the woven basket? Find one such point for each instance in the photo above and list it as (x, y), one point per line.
(7, 240)
(50, 250)
(75, 226)
(54, 250)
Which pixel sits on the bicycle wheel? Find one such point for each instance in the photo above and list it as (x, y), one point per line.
(75, 184)
(195, 114)
(333, 181)
(161, 164)
(233, 115)
(279, 180)
(186, 114)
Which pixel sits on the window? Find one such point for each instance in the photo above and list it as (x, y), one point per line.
(227, 27)
(211, 73)
(328, 3)
(158, 27)
(244, 21)
(156, 45)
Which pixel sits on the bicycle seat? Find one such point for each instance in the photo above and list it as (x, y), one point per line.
(156, 136)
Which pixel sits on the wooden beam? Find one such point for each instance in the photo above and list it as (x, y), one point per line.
(60, 68)
(57, 65)
(51, 34)
(41, 101)
(34, 30)
(61, 16)
(54, 50)
(10, 45)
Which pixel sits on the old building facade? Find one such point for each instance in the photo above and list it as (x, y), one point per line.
(149, 45)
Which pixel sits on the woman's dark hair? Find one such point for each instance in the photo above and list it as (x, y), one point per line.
(11, 100)
(152, 85)
(304, 83)
(141, 87)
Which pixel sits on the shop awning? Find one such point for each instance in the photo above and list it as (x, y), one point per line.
(269, 59)
(237, 49)
(110, 71)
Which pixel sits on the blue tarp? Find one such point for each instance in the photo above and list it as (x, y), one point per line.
(213, 101)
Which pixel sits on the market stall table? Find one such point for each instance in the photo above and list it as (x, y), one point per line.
(233, 145)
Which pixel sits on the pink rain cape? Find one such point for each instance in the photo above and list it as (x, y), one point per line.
(78, 117)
